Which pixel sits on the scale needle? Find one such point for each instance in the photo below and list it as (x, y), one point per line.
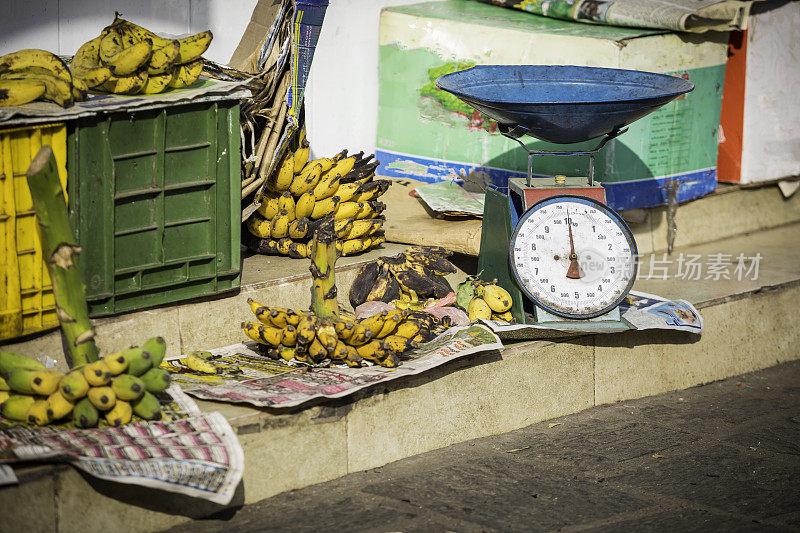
(574, 271)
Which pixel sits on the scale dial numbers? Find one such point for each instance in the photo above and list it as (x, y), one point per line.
(543, 253)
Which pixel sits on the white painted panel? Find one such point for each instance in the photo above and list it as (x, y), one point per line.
(227, 19)
(82, 20)
(342, 90)
(29, 24)
(771, 140)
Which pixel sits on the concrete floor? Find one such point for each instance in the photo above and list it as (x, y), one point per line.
(718, 457)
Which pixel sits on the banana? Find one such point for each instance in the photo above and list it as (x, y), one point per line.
(74, 386)
(80, 91)
(37, 413)
(157, 348)
(349, 209)
(279, 226)
(263, 334)
(324, 163)
(370, 209)
(3, 385)
(372, 350)
(353, 359)
(163, 58)
(340, 352)
(147, 407)
(343, 166)
(306, 329)
(191, 47)
(325, 207)
(129, 60)
(116, 363)
(408, 329)
(344, 328)
(19, 92)
(286, 202)
(114, 39)
(4, 395)
(156, 380)
(284, 245)
(361, 335)
(298, 228)
(317, 351)
(434, 263)
(354, 246)
(11, 360)
(478, 308)
(57, 89)
(86, 65)
(282, 179)
(120, 414)
(199, 361)
(185, 75)
(35, 58)
(388, 359)
(365, 278)
(156, 83)
(507, 316)
(103, 398)
(42, 381)
(327, 185)
(58, 406)
(125, 84)
(278, 317)
(139, 360)
(363, 228)
(307, 179)
(127, 387)
(97, 374)
(289, 336)
(496, 297)
(262, 246)
(326, 334)
(16, 406)
(391, 321)
(372, 190)
(84, 414)
(304, 205)
(269, 206)
(348, 191)
(299, 159)
(258, 226)
(399, 344)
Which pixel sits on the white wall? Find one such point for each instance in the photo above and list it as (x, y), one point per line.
(61, 26)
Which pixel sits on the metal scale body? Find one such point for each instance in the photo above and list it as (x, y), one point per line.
(558, 104)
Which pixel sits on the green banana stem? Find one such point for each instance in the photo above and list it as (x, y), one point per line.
(323, 261)
(61, 253)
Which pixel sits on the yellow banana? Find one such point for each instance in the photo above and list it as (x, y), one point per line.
(57, 89)
(269, 206)
(306, 180)
(343, 166)
(342, 227)
(156, 83)
(399, 344)
(372, 350)
(37, 413)
(496, 297)
(42, 381)
(289, 336)
(259, 227)
(86, 64)
(187, 74)
(317, 351)
(361, 335)
(353, 246)
(506, 317)
(282, 179)
(74, 386)
(279, 226)
(299, 159)
(363, 227)
(286, 201)
(163, 58)
(298, 229)
(408, 329)
(33, 57)
(191, 47)
(97, 374)
(120, 414)
(298, 250)
(58, 406)
(114, 39)
(304, 205)
(16, 406)
(391, 321)
(347, 191)
(199, 361)
(80, 91)
(306, 329)
(478, 308)
(284, 245)
(126, 84)
(327, 185)
(325, 207)
(129, 60)
(324, 164)
(103, 398)
(19, 92)
(349, 209)
(263, 334)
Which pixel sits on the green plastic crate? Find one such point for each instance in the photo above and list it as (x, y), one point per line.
(155, 202)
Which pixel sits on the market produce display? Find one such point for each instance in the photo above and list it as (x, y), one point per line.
(485, 300)
(303, 195)
(32, 74)
(405, 280)
(140, 61)
(113, 388)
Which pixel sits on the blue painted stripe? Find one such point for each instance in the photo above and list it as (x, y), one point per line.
(649, 192)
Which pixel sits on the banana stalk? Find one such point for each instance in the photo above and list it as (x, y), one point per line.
(323, 260)
(61, 251)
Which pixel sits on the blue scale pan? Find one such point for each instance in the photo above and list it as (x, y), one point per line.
(562, 104)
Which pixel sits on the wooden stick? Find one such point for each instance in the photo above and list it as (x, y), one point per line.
(61, 251)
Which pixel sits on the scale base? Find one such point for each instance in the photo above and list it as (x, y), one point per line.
(607, 323)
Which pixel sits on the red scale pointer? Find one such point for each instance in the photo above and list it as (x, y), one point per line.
(574, 271)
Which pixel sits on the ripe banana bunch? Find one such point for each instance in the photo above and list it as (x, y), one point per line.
(32, 74)
(305, 337)
(404, 278)
(113, 388)
(302, 195)
(139, 61)
(485, 300)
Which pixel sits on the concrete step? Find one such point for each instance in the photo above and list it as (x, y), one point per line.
(749, 324)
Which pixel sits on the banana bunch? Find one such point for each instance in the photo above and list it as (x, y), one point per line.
(113, 388)
(138, 61)
(32, 74)
(305, 337)
(404, 278)
(484, 300)
(302, 195)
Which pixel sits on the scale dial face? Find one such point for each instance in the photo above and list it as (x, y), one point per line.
(573, 256)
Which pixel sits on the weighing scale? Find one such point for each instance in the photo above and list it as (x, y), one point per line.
(564, 256)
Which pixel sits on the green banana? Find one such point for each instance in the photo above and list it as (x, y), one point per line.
(128, 387)
(157, 348)
(147, 407)
(9, 360)
(74, 385)
(139, 360)
(16, 407)
(84, 414)
(156, 380)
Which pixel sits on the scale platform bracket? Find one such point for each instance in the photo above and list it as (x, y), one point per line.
(543, 188)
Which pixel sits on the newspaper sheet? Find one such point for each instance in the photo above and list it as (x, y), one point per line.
(638, 311)
(449, 198)
(188, 452)
(677, 15)
(202, 90)
(283, 385)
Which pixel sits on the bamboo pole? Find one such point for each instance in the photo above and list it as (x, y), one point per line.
(323, 262)
(61, 253)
